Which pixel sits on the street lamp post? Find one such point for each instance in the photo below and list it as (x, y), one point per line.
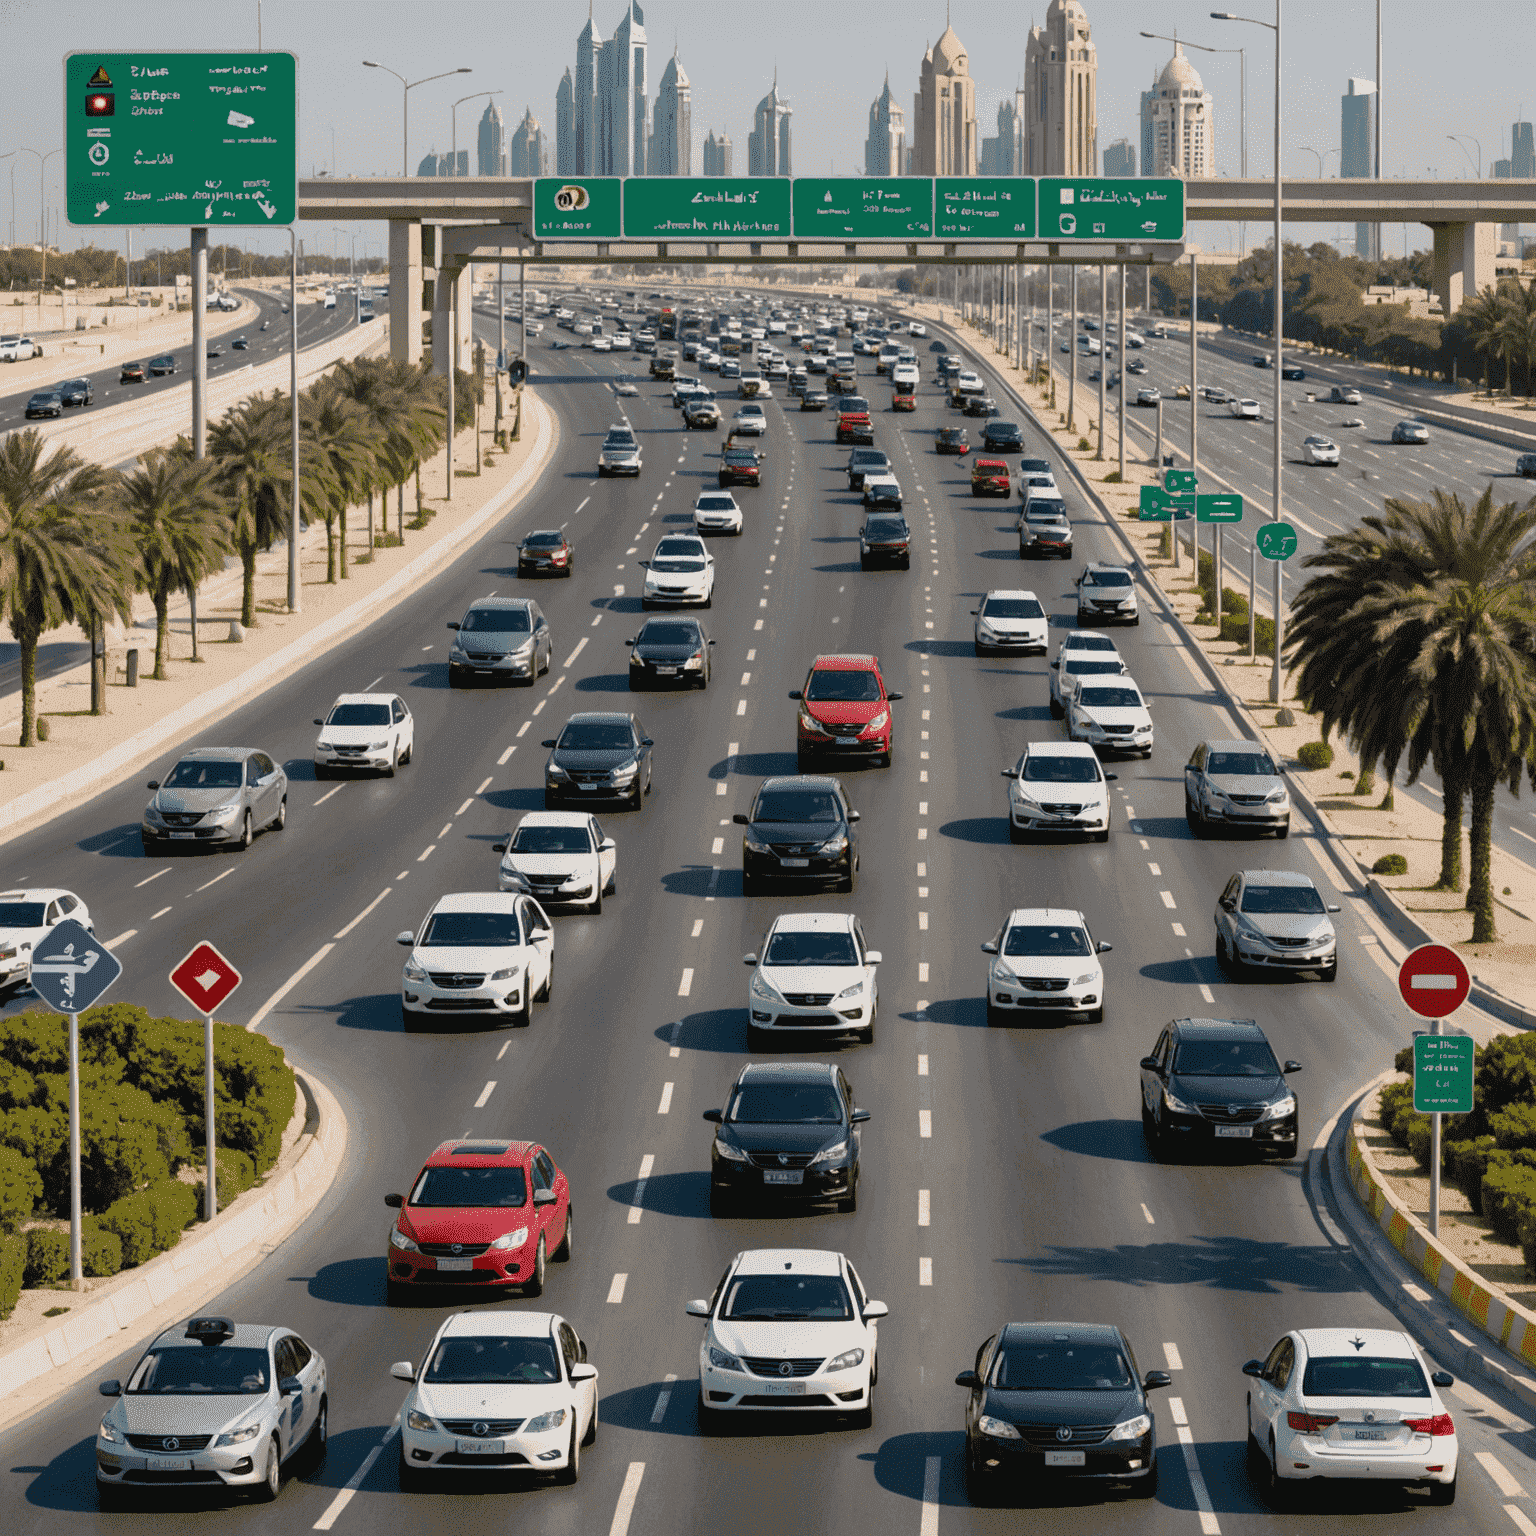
(42, 220)
(473, 96)
(1458, 138)
(405, 103)
(357, 300)
(1279, 322)
(1322, 154)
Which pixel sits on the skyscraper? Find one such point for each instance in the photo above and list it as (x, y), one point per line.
(1183, 122)
(565, 127)
(885, 146)
(489, 157)
(1061, 68)
(944, 111)
(1120, 158)
(428, 166)
(768, 143)
(1357, 152)
(621, 97)
(588, 47)
(1004, 155)
(672, 130)
(528, 153)
(717, 155)
(1522, 151)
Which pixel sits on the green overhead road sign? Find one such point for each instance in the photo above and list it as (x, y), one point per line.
(1111, 208)
(706, 208)
(984, 208)
(1177, 481)
(1223, 507)
(863, 207)
(1276, 541)
(577, 208)
(181, 138)
(1442, 1074)
(1157, 506)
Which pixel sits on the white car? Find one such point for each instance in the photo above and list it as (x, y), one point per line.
(717, 512)
(916, 328)
(1084, 640)
(1350, 1402)
(602, 344)
(365, 730)
(1246, 410)
(497, 1390)
(1344, 394)
(1044, 960)
(788, 1330)
(1080, 663)
(559, 856)
(1058, 786)
(813, 977)
(1109, 713)
(1319, 450)
(751, 421)
(16, 349)
(968, 383)
(25, 918)
(681, 573)
(905, 375)
(489, 953)
(625, 388)
(1010, 620)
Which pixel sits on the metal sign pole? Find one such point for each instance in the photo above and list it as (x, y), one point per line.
(1194, 391)
(1434, 1140)
(294, 583)
(210, 1195)
(76, 1266)
(1253, 594)
(1103, 353)
(1122, 372)
(199, 343)
(1050, 343)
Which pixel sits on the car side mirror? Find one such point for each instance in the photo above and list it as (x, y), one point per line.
(989, 948)
(975, 610)
(1155, 1379)
(875, 1309)
(1102, 948)
(630, 641)
(545, 1197)
(858, 1117)
(403, 1370)
(709, 642)
(1055, 666)
(873, 957)
(549, 743)
(891, 698)
(583, 1372)
(698, 1308)
(453, 624)
(1253, 1368)
(1333, 908)
(853, 816)
(645, 741)
(1291, 1066)
(714, 1116)
(749, 959)
(112, 1387)
(741, 821)
(607, 845)
(794, 694)
(405, 938)
(1151, 1064)
(1110, 778)
(318, 720)
(645, 564)
(290, 1386)
(153, 784)
(1442, 1378)
(498, 847)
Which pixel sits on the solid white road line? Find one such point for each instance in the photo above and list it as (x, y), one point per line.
(339, 1503)
(364, 913)
(665, 1107)
(616, 1289)
(154, 876)
(1495, 1469)
(289, 985)
(929, 1524)
(659, 1412)
(685, 986)
(1209, 1525)
(646, 1164)
(122, 938)
(625, 1509)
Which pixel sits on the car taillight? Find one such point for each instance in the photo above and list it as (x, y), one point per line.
(1311, 1423)
(1439, 1425)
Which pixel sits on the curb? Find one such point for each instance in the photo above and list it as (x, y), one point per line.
(206, 1261)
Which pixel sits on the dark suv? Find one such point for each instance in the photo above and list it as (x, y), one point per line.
(866, 461)
(801, 829)
(1002, 437)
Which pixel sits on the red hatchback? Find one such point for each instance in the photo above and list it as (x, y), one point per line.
(480, 1213)
(845, 711)
(989, 477)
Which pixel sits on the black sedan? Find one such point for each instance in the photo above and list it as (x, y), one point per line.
(952, 440)
(668, 653)
(1525, 466)
(240, 344)
(46, 402)
(885, 539)
(789, 1132)
(1002, 437)
(599, 755)
(76, 392)
(215, 350)
(801, 829)
(165, 363)
(1058, 1400)
(1293, 371)
(545, 552)
(1216, 1082)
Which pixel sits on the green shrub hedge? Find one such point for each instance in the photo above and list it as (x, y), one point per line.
(1390, 864)
(150, 1220)
(1508, 1193)
(1314, 754)
(1234, 628)
(47, 1257)
(13, 1265)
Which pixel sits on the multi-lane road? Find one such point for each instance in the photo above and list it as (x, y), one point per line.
(1004, 1171)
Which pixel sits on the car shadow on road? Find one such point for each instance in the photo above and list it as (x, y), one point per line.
(1184, 973)
(901, 1462)
(965, 1012)
(1025, 711)
(977, 829)
(714, 1029)
(668, 1194)
(942, 647)
(757, 765)
(427, 674)
(528, 799)
(702, 880)
(603, 682)
(634, 1407)
(1119, 1141)
(120, 842)
(840, 568)
(355, 1282)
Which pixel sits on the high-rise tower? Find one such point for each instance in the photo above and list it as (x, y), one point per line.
(885, 146)
(944, 111)
(768, 143)
(672, 124)
(1061, 68)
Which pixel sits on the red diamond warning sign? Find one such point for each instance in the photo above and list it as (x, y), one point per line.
(205, 978)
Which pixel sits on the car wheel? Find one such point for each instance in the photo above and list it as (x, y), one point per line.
(394, 762)
(1443, 1493)
(1276, 1492)
(1284, 831)
(319, 1438)
(410, 751)
(246, 834)
(1057, 712)
(711, 1420)
(590, 1438)
(979, 1489)
(722, 1204)
(850, 1202)
(524, 1015)
(863, 565)
(534, 1286)
(271, 1483)
(322, 772)
(849, 882)
(542, 995)
(804, 762)
(1096, 1015)
(562, 1254)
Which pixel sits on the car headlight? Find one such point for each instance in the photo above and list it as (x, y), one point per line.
(625, 770)
(325, 746)
(511, 973)
(152, 813)
(878, 723)
(514, 877)
(730, 1153)
(846, 1361)
(241, 1435)
(1281, 1108)
(421, 1421)
(999, 1429)
(398, 1239)
(762, 989)
(1275, 797)
(834, 845)
(636, 661)
(107, 1432)
(984, 627)
(756, 847)
(1087, 979)
(414, 972)
(694, 662)
(225, 812)
(1003, 972)
(1131, 1429)
(509, 1240)
(724, 1362)
(377, 746)
(545, 1422)
(854, 991)
(808, 722)
(1172, 1101)
(834, 1154)
(555, 771)
(456, 649)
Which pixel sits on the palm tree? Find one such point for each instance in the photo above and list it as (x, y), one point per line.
(342, 445)
(176, 523)
(59, 556)
(1496, 328)
(250, 447)
(369, 385)
(417, 432)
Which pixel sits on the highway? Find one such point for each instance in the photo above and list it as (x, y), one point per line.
(1042, 1200)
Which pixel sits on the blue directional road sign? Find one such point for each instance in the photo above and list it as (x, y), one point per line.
(72, 968)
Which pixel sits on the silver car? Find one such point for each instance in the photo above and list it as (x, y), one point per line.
(212, 1404)
(500, 638)
(1234, 784)
(1275, 919)
(215, 797)
(620, 455)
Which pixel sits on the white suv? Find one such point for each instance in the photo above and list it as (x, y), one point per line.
(813, 977)
(1110, 714)
(1058, 786)
(1106, 595)
(1044, 960)
(559, 856)
(1010, 621)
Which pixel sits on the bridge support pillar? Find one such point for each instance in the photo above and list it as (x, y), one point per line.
(405, 290)
(451, 304)
(1464, 262)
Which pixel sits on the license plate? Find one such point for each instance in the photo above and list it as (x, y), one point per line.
(168, 1463)
(183, 834)
(1370, 1434)
(587, 786)
(458, 1266)
(847, 741)
(1238, 1132)
(1065, 1458)
(783, 1175)
(666, 671)
(478, 1447)
(785, 1388)
(795, 863)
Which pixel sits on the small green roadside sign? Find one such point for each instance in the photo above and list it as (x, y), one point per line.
(1276, 541)
(1157, 506)
(1222, 507)
(1442, 1074)
(706, 208)
(984, 208)
(1111, 208)
(863, 207)
(576, 208)
(1177, 481)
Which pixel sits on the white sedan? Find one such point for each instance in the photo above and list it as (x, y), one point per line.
(750, 420)
(365, 730)
(1044, 960)
(497, 1390)
(1109, 713)
(717, 512)
(788, 1330)
(25, 918)
(812, 978)
(968, 383)
(1353, 1403)
(625, 388)
(1319, 450)
(681, 573)
(917, 328)
(488, 953)
(559, 856)
(1245, 410)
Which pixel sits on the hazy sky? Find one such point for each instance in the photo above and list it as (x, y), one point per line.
(831, 60)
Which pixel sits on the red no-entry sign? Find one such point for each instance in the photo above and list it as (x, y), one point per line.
(205, 978)
(1434, 981)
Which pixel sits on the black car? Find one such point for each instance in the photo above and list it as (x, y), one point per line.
(801, 829)
(546, 552)
(1059, 1400)
(882, 493)
(46, 402)
(788, 1132)
(240, 344)
(165, 363)
(663, 366)
(1525, 466)
(952, 440)
(1293, 371)
(1216, 1081)
(76, 392)
(866, 461)
(813, 400)
(980, 405)
(1002, 437)
(667, 652)
(885, 539)
(215, 350)
(599, 755)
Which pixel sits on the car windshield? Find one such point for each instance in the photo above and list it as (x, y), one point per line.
(785, 1104)
(1060, 1365)
(831, 686)
(514, 621)
(1035, 466)
(1237, 764)
(668, 633)
(885, 528)
(1048, 511)
(1363, 1376)
(823, 1298)
(1225, 1058)
(1110, 698)
(1012, 608)
(544, 540)
(1055, 768)
(198, 1370)
(471, 1188)
(493, 1360)
(359, 714)
(786, 949)
(673, 565)
(1083, 640)
(471, 930)
(203, 773)
(595, 736)
(1085, 666)
(716, 503)
(740, 456)
(853, 404)
(797, 805)
(21, 914)
(1107, 579)
(1282, 899)
(1046, 939)
(551, 840)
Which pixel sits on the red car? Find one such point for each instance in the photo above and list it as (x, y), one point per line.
(845, 711)
(903, 402)
(989, 477)
(482, 1213)
(853, 423)
(133, 373)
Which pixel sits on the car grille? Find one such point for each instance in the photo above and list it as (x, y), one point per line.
(461, 1004)
(453, 1250)
(1229, 1114)
(794, 850)
(171, 1444)
(1061, 810)
(450, 979)
(811, 1021)
(808, 999)
(546, 882)
(792, 1404)
(468, 1459)
(763, 1365)
(588, 775)
(1290, 943)
(1043, 983)
(1247, 799)
(484, 655)
(1116, 730)
(348, 751)
(781, 1160)
(479, 1429)
(672, 591)
(1111, 606)
(1045, 1437)
(181, 818)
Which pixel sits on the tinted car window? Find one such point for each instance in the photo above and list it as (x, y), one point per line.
(1082, 667)
(1107, 579)
(200, 773)
(1042, 768)
(513, 621)
(1363, 1376)
(668, 632)
(552, 840)
(596, 736)
(1012, 608)
(782, 1103)
(811, 949)
(836, 687)
(1225, 1058)
(544, 540)
(1109, 698)
(197, 1371)
(797, 805)
(886, 528)
(494, 1359)
(1282, 898)
(475, 1188)
(359, 714)
(21, 914)
(1240, 763)
(1045, 939)
(822, 1297)
(472, 929)
(1059, 1365)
